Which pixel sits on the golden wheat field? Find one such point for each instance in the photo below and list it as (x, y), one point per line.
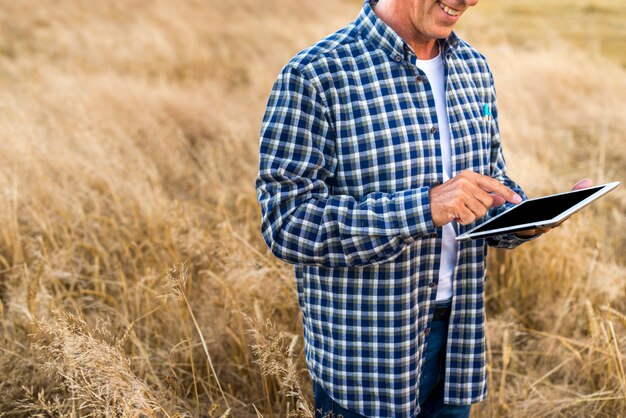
(133, 277)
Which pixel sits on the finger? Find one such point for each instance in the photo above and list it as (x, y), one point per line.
(497, 200)
(583, 184)
(527, 233)
(480, 195)
(477, 207)
(489, 184)
(464, 216)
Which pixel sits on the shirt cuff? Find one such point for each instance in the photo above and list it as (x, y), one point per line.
(413, 214)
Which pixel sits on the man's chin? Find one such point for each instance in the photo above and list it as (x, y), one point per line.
(444, 33)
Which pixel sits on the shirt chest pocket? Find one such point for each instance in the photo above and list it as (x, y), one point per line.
(471, 132)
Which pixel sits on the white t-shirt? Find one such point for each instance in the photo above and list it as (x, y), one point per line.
(435, 73)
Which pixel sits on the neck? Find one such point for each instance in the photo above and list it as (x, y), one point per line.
(388, 12)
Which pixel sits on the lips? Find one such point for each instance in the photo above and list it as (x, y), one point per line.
(448, 10)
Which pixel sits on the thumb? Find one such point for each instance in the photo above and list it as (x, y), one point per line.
(583, 184)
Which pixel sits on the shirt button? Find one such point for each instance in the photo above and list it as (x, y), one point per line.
(436, 183)
(432, 285)
(433, 129)
(419, 78)
(398, 58)
(427, 331)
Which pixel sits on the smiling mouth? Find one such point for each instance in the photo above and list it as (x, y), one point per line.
(448, 10)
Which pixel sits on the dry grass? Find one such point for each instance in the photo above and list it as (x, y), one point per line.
(130, 252)
(595, 26)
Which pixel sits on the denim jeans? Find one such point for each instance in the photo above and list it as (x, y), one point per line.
(433, 376)
(431, 384)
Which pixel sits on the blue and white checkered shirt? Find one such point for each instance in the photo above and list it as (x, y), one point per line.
(349, 150)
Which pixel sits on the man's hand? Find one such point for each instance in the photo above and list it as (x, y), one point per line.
(467, 197)
(583, 184)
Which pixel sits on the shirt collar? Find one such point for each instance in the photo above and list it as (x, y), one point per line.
(374, 30)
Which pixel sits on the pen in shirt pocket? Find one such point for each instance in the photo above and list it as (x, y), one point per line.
(487, 111)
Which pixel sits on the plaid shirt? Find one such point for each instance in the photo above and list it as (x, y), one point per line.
(349, 150)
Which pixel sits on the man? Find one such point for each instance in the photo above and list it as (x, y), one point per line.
(379, 145)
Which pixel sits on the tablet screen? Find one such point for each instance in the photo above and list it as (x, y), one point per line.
(537, 210)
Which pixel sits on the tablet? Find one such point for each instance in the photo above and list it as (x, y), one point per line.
(543, 211)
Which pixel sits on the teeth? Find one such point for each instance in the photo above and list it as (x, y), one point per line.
(448, 10)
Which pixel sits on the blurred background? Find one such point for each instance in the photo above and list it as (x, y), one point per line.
(133, 277)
